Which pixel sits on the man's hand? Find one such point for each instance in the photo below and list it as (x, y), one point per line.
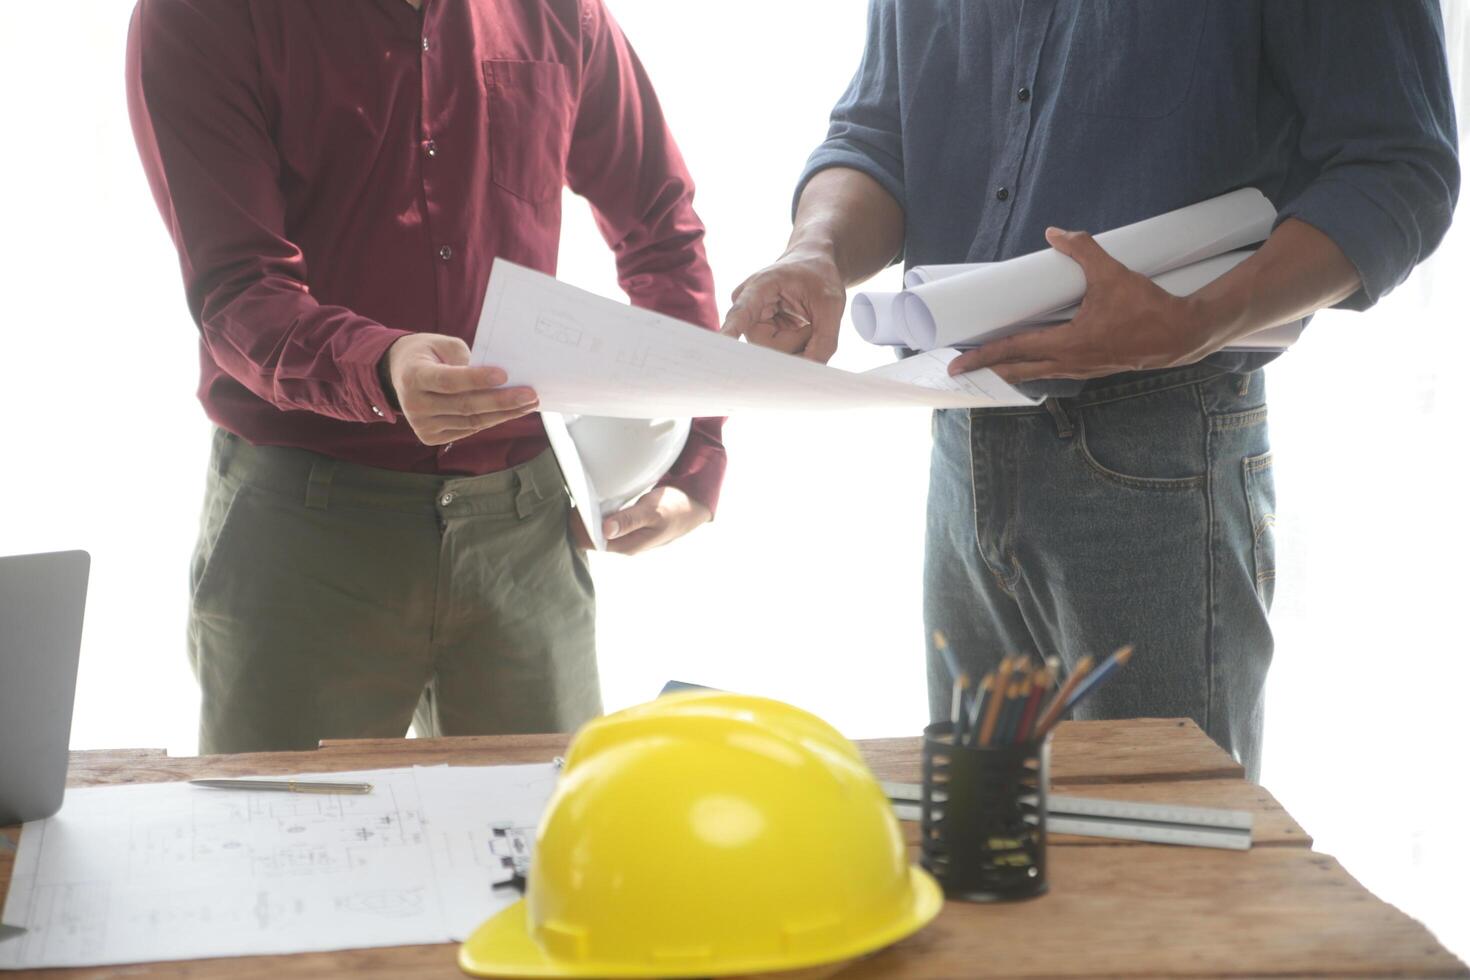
(442, 397)
(661, 515)
(794, 306)
(1126, 323)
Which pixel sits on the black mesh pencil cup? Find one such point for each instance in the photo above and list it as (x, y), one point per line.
(983, 822)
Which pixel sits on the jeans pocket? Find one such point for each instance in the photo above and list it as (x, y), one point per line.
(1260, 495)
(1149, 442)
(529, 105)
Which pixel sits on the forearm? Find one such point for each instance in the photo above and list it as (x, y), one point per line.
(1298, 271)
(297, 354)
(848, 217)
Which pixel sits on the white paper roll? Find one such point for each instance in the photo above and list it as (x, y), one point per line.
(994, 301)
(875, 316)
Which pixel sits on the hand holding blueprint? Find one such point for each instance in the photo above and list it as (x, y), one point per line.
(587, 355)
(965, 305)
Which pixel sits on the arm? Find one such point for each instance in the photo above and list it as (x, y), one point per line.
(847, 228)
(204, 137)
(849, 221)
(624, 161)
(1370, 83)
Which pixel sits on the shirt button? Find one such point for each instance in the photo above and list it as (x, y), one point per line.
(426, 44)
(446, 253)
(1003, 194)
(431, 148)
(1024, 95)
(377, 411)
(447, 499)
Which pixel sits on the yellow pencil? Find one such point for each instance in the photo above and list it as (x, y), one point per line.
(1059, 702)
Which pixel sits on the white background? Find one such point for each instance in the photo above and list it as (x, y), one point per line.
(807, 587)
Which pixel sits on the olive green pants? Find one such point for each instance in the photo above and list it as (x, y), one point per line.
(331, 600)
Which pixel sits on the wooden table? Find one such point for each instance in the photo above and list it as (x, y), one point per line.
(1114, 908)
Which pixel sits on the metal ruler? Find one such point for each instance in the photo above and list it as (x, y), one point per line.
(1154, 823)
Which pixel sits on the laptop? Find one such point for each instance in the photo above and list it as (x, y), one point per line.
(41, 602)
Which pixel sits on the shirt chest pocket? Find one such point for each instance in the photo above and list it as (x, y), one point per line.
(1132, 59)
(529, 105)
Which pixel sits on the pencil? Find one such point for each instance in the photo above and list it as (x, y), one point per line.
(957, 702)
(992, 713)
(1058, 703)
(1040, 681)
(977, 704)
(1097, 678)
(1020, 694)
(951, 662)
(781, 310)
(1054, 664)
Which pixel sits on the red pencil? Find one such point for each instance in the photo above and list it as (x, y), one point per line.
(1040, 681)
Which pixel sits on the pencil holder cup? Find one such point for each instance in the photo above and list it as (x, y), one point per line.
(983, 817)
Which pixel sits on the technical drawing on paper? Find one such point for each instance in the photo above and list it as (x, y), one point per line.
(172, 871)
(559, 329)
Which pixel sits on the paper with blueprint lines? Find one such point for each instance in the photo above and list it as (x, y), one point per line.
(588, 355)
(1000, 297)
(169, 871)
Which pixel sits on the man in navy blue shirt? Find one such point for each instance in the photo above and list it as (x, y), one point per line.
(1136, 504)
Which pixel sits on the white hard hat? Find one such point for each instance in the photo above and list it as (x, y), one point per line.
(608, 463)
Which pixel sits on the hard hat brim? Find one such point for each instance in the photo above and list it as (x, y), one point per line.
(503, 947)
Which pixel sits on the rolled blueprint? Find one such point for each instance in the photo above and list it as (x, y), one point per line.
(997, 300)
(878, 321)
(875, 315)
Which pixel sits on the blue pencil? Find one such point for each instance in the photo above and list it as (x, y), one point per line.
(978, 707)
(1095, 679)
(951, 662)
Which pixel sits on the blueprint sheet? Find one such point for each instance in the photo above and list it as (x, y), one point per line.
(588, 355)
(168, 871)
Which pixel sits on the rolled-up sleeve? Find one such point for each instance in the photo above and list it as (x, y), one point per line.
(866, 133)
(623, 159)
(204, 138)
(1371, 83)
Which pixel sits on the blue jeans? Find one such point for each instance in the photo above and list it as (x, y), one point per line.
(1140, 512)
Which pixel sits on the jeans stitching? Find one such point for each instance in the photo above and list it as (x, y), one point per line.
(1238, 420)
(1007, 587)
(1172, 484)
(1209, 570)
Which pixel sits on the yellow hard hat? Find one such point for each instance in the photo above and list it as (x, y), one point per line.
(708, 834)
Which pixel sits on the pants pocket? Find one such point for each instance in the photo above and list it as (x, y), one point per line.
(1260, 495)
(217, 531)
(1147, 442)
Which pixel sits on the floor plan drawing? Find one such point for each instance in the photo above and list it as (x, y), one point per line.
(173, 871)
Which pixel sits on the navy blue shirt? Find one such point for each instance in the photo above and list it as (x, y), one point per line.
(989, 120)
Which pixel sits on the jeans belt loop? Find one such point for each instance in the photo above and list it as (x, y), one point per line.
(319, 483)
(1059, 416)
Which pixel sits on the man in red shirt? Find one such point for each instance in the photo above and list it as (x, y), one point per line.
(385, 533)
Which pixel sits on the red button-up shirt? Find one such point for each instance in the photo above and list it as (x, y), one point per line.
(338, 173)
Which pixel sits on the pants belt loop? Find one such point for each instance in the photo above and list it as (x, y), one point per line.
(1059, 416)
(224, 449)
(319, 484)
(528, 495)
